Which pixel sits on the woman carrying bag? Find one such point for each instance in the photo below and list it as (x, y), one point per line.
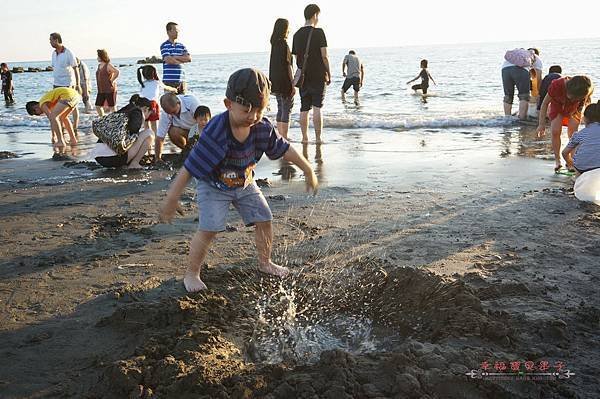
(120, 141)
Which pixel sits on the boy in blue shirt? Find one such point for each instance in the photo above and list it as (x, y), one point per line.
(223, 162)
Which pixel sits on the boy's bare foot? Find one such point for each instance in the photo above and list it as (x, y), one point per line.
(274, 270)
(192, 282)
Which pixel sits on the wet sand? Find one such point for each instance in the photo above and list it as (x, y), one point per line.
(423, 256)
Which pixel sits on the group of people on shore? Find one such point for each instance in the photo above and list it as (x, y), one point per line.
(561, 101)
(224, 150)
(179, 109)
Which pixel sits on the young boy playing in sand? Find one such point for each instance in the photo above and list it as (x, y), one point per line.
(57, 104)
(585, 144)
(565, 100)
(202, 116)
(223, 162)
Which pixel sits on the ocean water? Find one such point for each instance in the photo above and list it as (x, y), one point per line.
(467, 99)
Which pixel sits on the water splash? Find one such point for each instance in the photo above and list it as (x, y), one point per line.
(287, 332)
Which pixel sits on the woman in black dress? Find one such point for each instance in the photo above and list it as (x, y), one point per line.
(281, 76)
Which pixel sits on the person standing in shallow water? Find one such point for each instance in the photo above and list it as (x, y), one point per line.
(106, 77)
(7, 84)
(425, 76)
(65, 72)
(281, 76)
(317, 74)
(354, 72)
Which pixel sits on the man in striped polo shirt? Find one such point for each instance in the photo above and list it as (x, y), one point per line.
(174, 54)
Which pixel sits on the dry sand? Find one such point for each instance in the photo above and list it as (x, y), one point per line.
(401, 285)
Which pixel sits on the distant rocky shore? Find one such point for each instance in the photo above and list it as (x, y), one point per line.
(151, 60)
(31, 69)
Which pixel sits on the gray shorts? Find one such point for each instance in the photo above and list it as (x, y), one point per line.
(515, 76)
(284, 108)
(213, 205)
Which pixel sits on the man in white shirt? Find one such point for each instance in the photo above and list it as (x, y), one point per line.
(65, 70)
(176, 120)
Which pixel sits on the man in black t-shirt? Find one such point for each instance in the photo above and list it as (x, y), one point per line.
(317, 74)
(7, 84)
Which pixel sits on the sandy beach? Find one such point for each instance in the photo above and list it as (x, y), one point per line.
(418, 261)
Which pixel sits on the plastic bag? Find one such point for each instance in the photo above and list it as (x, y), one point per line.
(587, 187)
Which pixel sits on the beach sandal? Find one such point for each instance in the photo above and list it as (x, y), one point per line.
(564, 172)
(557, 168)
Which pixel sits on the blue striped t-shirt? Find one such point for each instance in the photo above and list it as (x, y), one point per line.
(587, 141)
(227, 163)
(172, 73)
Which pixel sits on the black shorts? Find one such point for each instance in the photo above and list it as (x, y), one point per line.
(116, 161)
(109, 99)
(354, 82)
(422, 87)
(311, 96)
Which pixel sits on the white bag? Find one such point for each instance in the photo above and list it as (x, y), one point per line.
(587, 187)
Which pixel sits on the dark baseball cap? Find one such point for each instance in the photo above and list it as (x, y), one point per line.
(248, 86)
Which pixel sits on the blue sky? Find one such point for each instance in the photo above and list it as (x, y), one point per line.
(136, 28)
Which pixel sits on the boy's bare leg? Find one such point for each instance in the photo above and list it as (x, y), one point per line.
(356, 97)
(317, 123)
(304, 126)
(556, 129)
(264, 245)
(153, 126)
(75, 119)
(507, 109)
(100, 111)
(55, 118)
(198, 250)
(69, 127)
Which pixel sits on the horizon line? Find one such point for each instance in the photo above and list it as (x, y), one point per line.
(339, 48)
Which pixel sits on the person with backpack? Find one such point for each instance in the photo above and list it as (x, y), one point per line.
(134, 114)
(515, 72)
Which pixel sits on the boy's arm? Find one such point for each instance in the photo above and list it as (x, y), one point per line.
(312, 183)
(567, 155)
(344, 67)
(410, 81)
(541, 129)
(171, 203)
(431, 77)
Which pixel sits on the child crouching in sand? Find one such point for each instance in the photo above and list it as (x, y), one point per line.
(566, 99)
(585, 143)
(223, 162)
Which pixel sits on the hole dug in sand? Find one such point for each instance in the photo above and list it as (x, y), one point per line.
(364, 329)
